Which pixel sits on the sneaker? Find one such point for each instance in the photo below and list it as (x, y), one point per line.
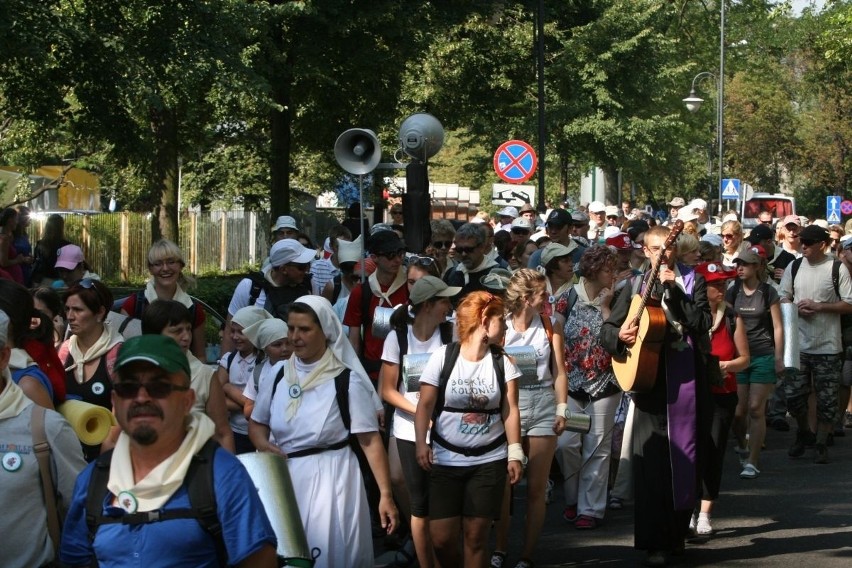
(616, 503)
(655, 558)
(749, 472)
(585, 522)
(702, 527)
(570, 513)
(497, 559)
(548, 493)
(781, 425)
(797, 450)
(822, 454)
(693, 522)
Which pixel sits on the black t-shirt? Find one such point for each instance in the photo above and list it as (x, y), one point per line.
(754, 309)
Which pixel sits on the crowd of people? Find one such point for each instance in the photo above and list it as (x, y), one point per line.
(410, 392)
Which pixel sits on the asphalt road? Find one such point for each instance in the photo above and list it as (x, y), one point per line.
(796, 513)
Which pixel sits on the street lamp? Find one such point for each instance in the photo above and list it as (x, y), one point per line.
(693, 102)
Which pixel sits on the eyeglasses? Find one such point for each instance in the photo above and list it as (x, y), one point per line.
(465, 250)
(166, 262)
(728, 236)
(298, 265)
(155, 389)
(392, 254)
(421, 260)
(442, 244)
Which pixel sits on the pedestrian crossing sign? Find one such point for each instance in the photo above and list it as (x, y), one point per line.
(730, 188)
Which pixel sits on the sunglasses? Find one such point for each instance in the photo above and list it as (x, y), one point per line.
(728, 236)
(809, 242)
(520, 231)
(766, 222)
(392, 254)
(298, 265)
(421, 260)
(465, 250)
(442, 244)
(155, 389)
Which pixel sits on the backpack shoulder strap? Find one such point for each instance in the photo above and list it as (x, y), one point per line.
(402, 340)
(200, 488)
(258, 284)
(451, 355)
(231, 356)
(140, 304)
(835, 277)
(794, 268)
(41, 448)
(548, 326)
(124, 325)
(498, 356)
(337, 281)
(278, 376)
(341, 394)
(96, 492)
(735, 291)
(446, 330)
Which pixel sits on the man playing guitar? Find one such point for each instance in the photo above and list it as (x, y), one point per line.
(671, 420)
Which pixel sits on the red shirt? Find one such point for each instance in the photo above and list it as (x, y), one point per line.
(353, 318)
(129, 307)
(722, 346)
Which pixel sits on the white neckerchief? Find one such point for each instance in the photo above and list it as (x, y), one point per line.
(20, 359)
(13, 401)
(326, 369)
(583, 295)
(398, 282)
(179, 296)
(553, 296)
(718, 317)
(486, 263)
(108, 339)
(156, 488)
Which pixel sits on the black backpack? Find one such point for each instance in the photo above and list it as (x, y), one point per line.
(142, 304)
(450, 357)
(199, 486)
(277, 298)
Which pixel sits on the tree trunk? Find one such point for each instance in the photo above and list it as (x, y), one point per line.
(610, 184)
(280, 124)
(165, 174)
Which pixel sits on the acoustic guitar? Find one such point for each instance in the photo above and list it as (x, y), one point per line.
(636, 370)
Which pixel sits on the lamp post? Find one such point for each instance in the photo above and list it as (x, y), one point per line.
(693, 102)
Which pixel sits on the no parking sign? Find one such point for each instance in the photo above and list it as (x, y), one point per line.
(515, 161)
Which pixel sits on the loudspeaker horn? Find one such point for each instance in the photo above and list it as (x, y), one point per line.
(358, 151)
(421, 136)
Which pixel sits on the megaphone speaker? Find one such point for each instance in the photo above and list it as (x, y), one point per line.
(421, 136)
(358, 151)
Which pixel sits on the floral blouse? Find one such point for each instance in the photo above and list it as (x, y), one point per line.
(587, 363)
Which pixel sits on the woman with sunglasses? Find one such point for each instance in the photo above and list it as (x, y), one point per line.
(168, 282)
(443, 234)
(732, 240)
(539, 400)
(419, 327)
(468, 391)
(89, 354)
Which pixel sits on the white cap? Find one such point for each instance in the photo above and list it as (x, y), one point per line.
(508, 211)
(820, 223)
(687, 214)
(349, 251)
(611, 210)
(290, 250)
(611, 232)
(697, 204)
(522, 223)
(730, 217)
(284, 222)
(597, 207)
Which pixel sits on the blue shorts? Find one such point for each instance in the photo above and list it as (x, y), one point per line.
(760, 371)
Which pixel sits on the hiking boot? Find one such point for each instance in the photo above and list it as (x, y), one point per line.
(797, 450)
(781, 425)
(822, 454)
(810, 439)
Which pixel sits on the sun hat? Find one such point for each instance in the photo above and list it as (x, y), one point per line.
(290, 250)
(285, 222)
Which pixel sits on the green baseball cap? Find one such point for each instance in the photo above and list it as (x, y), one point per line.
(159, 350)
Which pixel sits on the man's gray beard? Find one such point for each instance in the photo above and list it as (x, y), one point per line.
(144, 435)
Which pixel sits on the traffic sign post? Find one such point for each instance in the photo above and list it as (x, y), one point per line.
(832, 209)
(731, 189)
(515, 161)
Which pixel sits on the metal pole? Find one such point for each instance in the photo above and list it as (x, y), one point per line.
(542, 133)
(720, 111)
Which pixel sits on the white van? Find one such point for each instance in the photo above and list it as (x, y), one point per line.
(779, 204)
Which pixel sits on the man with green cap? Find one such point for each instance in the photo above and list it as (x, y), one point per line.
(141, 501)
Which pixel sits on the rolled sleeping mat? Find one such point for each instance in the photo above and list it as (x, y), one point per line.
(271, 477)
(525, 359)
(790, 322)
(90, 422)
(381, 322)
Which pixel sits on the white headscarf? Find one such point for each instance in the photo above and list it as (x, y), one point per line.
(264, 332)
(250, 315)
(339, 344)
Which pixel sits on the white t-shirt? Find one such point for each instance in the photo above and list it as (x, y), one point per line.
(535, 336)
(403, 422)
(472, 384)
(242, 295)
(819, 334)
(267, 372)
(239, 375)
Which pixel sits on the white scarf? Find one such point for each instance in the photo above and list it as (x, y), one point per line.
(397, 283)
(484, 265)
(583, 295)
(327, 368)
(179, 296)
(156, 488)
(13, 401)
(108, 339)
(20, 359)
(718, 317)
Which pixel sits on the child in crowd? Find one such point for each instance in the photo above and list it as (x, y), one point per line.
(172, 318)
(236, 371)
(270, 335)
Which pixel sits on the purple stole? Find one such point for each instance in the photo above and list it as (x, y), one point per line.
(681, 409)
